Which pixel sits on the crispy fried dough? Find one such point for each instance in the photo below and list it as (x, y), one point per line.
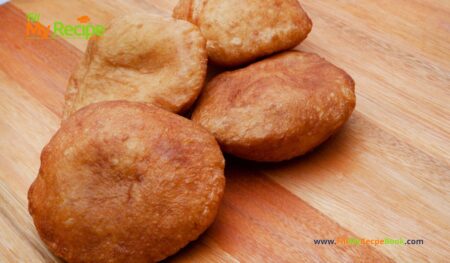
(278, 108)
(126, 182)
(144, 58)
(239, 31)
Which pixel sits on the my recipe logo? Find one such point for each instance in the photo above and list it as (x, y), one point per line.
(81, 30)
(363, 241)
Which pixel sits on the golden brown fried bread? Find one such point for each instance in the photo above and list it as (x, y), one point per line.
(126, 182)
(239, 31)
(278, 108)
(144, 58)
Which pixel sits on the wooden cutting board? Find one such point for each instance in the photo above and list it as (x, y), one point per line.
(385, 175)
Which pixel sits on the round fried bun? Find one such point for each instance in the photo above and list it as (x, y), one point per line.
(144, 58)
(126, 182)
(240, 31)
(278, 108)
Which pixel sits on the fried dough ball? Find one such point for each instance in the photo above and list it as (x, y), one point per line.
(126, 182)
(278, 108)
(144, 58)
(239, 31)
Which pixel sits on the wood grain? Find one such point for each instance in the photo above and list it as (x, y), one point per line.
(386, 174)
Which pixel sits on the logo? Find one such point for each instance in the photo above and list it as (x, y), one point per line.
(82, 30)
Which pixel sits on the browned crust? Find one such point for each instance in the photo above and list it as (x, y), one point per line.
(143, 58)
(278, 108)
(126, 182)
(240, 31)
(183, 10)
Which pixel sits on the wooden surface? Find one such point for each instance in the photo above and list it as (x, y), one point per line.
(386, 174)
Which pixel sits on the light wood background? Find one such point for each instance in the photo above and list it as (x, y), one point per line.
(386, 174)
